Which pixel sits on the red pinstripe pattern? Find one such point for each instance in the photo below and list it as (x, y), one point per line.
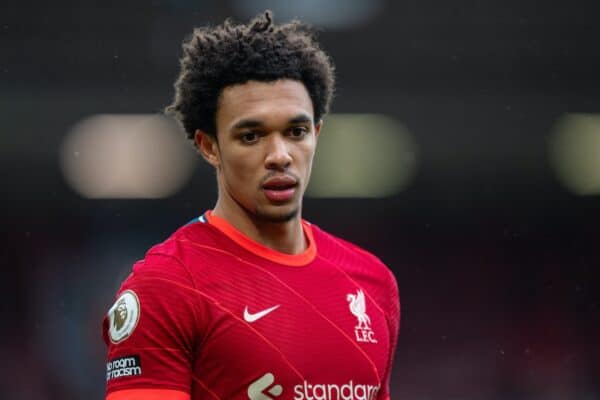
(205, 387)
(354, 282)
(304, 299)
(157, 348)
(195, 286)
(232, 314)
(110, 354)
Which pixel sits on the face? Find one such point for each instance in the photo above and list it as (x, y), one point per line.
(266, 140)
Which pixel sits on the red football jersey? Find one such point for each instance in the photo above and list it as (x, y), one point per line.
(212, 314)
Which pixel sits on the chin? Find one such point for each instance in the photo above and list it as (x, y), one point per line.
(277, 216)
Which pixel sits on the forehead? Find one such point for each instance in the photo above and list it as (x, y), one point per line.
(268, 102)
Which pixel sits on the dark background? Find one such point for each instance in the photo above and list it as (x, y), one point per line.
(497, 263)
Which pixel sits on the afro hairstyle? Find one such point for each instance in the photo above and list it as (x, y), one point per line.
(229, 54)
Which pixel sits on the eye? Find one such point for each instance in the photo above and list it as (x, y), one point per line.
(298, 132)
(249, 137)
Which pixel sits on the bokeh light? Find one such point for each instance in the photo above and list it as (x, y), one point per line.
(364, 156)
(126, 156)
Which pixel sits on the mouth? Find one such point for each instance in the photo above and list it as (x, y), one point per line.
(280, 189)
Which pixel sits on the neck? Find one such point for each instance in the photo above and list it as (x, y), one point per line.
(285, 237)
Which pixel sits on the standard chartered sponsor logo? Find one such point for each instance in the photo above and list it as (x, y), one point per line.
(124, 366)
(347, 391)
(264, 388)
(256, 390)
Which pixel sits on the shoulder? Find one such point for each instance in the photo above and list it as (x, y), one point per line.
(195, 233)
(361, 266)
(188, 244)
(336, 249)
(173, 258)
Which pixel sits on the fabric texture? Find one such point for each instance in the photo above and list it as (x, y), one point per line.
(208, 313)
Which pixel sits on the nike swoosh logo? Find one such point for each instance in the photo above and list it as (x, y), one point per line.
(248, 317)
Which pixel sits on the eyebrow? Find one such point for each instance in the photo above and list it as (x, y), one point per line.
(253, 123)
(246, 123)
(299, 119)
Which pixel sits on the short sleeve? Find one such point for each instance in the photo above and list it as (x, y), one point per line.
(393, 320)
(151, 329)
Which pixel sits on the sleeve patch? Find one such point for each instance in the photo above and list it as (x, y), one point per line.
(123, 366)
(123, 316)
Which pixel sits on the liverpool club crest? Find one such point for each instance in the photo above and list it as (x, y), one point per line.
(362, 331)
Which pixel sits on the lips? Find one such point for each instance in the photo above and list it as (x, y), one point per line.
(280, 188)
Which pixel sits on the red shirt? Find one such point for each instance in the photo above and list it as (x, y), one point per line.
(211, 314)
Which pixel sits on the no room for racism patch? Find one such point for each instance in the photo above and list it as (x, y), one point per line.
(123, 366)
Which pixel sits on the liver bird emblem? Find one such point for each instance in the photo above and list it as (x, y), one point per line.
(358, 308)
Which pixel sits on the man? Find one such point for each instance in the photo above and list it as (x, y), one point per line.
(249, 301)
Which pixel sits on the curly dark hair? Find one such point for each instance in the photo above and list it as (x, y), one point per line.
(229, 54)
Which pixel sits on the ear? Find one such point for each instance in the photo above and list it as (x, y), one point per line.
(207, 147)
(318, 127)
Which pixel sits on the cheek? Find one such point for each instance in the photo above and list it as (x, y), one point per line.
(238, 168)
(306, 168)
(308, 156)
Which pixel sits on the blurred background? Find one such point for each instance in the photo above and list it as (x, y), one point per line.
(463, 149)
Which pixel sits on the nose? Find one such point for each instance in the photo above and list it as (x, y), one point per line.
(278, 154)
